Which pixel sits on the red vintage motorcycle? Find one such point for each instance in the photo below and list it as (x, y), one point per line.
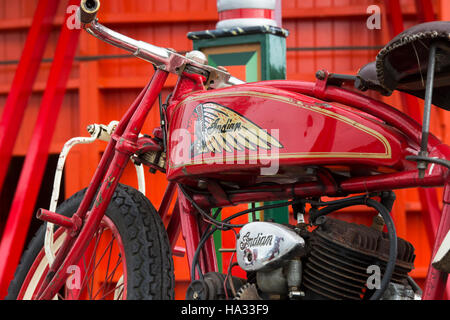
(222, 142)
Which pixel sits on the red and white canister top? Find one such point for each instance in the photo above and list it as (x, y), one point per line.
(246, 13)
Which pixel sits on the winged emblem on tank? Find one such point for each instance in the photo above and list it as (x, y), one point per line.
(217, 128)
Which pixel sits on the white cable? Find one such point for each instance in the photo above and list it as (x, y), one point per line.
(98, 132)
(140, 177)
(48, 241)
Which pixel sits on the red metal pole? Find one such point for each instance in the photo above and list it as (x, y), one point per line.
(164, 207)
(174, 226)
(425, 10)
(31, 176)
(395, 17)
(24, 78)
(436, 280)
(189, 227)
(428, 197)
(431, 212)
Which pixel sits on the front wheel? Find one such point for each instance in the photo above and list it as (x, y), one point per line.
(128, 258)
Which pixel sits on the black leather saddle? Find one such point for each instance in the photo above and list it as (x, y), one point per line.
(403, 63)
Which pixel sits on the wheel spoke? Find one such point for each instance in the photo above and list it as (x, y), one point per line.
(94, 263)
(99, 235)
(120, 295)
(114, 289)
(119, 261)
(109, 256)
(86, 270)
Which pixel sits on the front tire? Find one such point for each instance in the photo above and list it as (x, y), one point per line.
(131, 244)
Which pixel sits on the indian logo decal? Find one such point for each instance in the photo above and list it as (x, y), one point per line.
(259, 240)
(217, 128)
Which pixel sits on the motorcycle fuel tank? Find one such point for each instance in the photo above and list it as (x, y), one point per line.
(272, 135)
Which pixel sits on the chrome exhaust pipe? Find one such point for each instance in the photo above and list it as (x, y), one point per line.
(88, 10)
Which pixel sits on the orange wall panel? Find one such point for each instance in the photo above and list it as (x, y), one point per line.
(100, 91)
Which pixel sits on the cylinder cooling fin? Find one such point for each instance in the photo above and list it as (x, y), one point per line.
(340, 256)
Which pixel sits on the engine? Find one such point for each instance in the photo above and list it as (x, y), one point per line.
(337, 260)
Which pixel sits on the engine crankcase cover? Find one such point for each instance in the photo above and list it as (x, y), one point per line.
(265, 245)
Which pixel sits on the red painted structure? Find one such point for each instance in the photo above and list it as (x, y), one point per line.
(25, 76)
(29, 183)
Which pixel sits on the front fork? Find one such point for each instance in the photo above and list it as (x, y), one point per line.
(116, 156)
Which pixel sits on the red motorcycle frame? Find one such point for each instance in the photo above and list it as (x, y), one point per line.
(125, 143)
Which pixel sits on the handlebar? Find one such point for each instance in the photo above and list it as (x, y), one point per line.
(162, 58)
(88, 10)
